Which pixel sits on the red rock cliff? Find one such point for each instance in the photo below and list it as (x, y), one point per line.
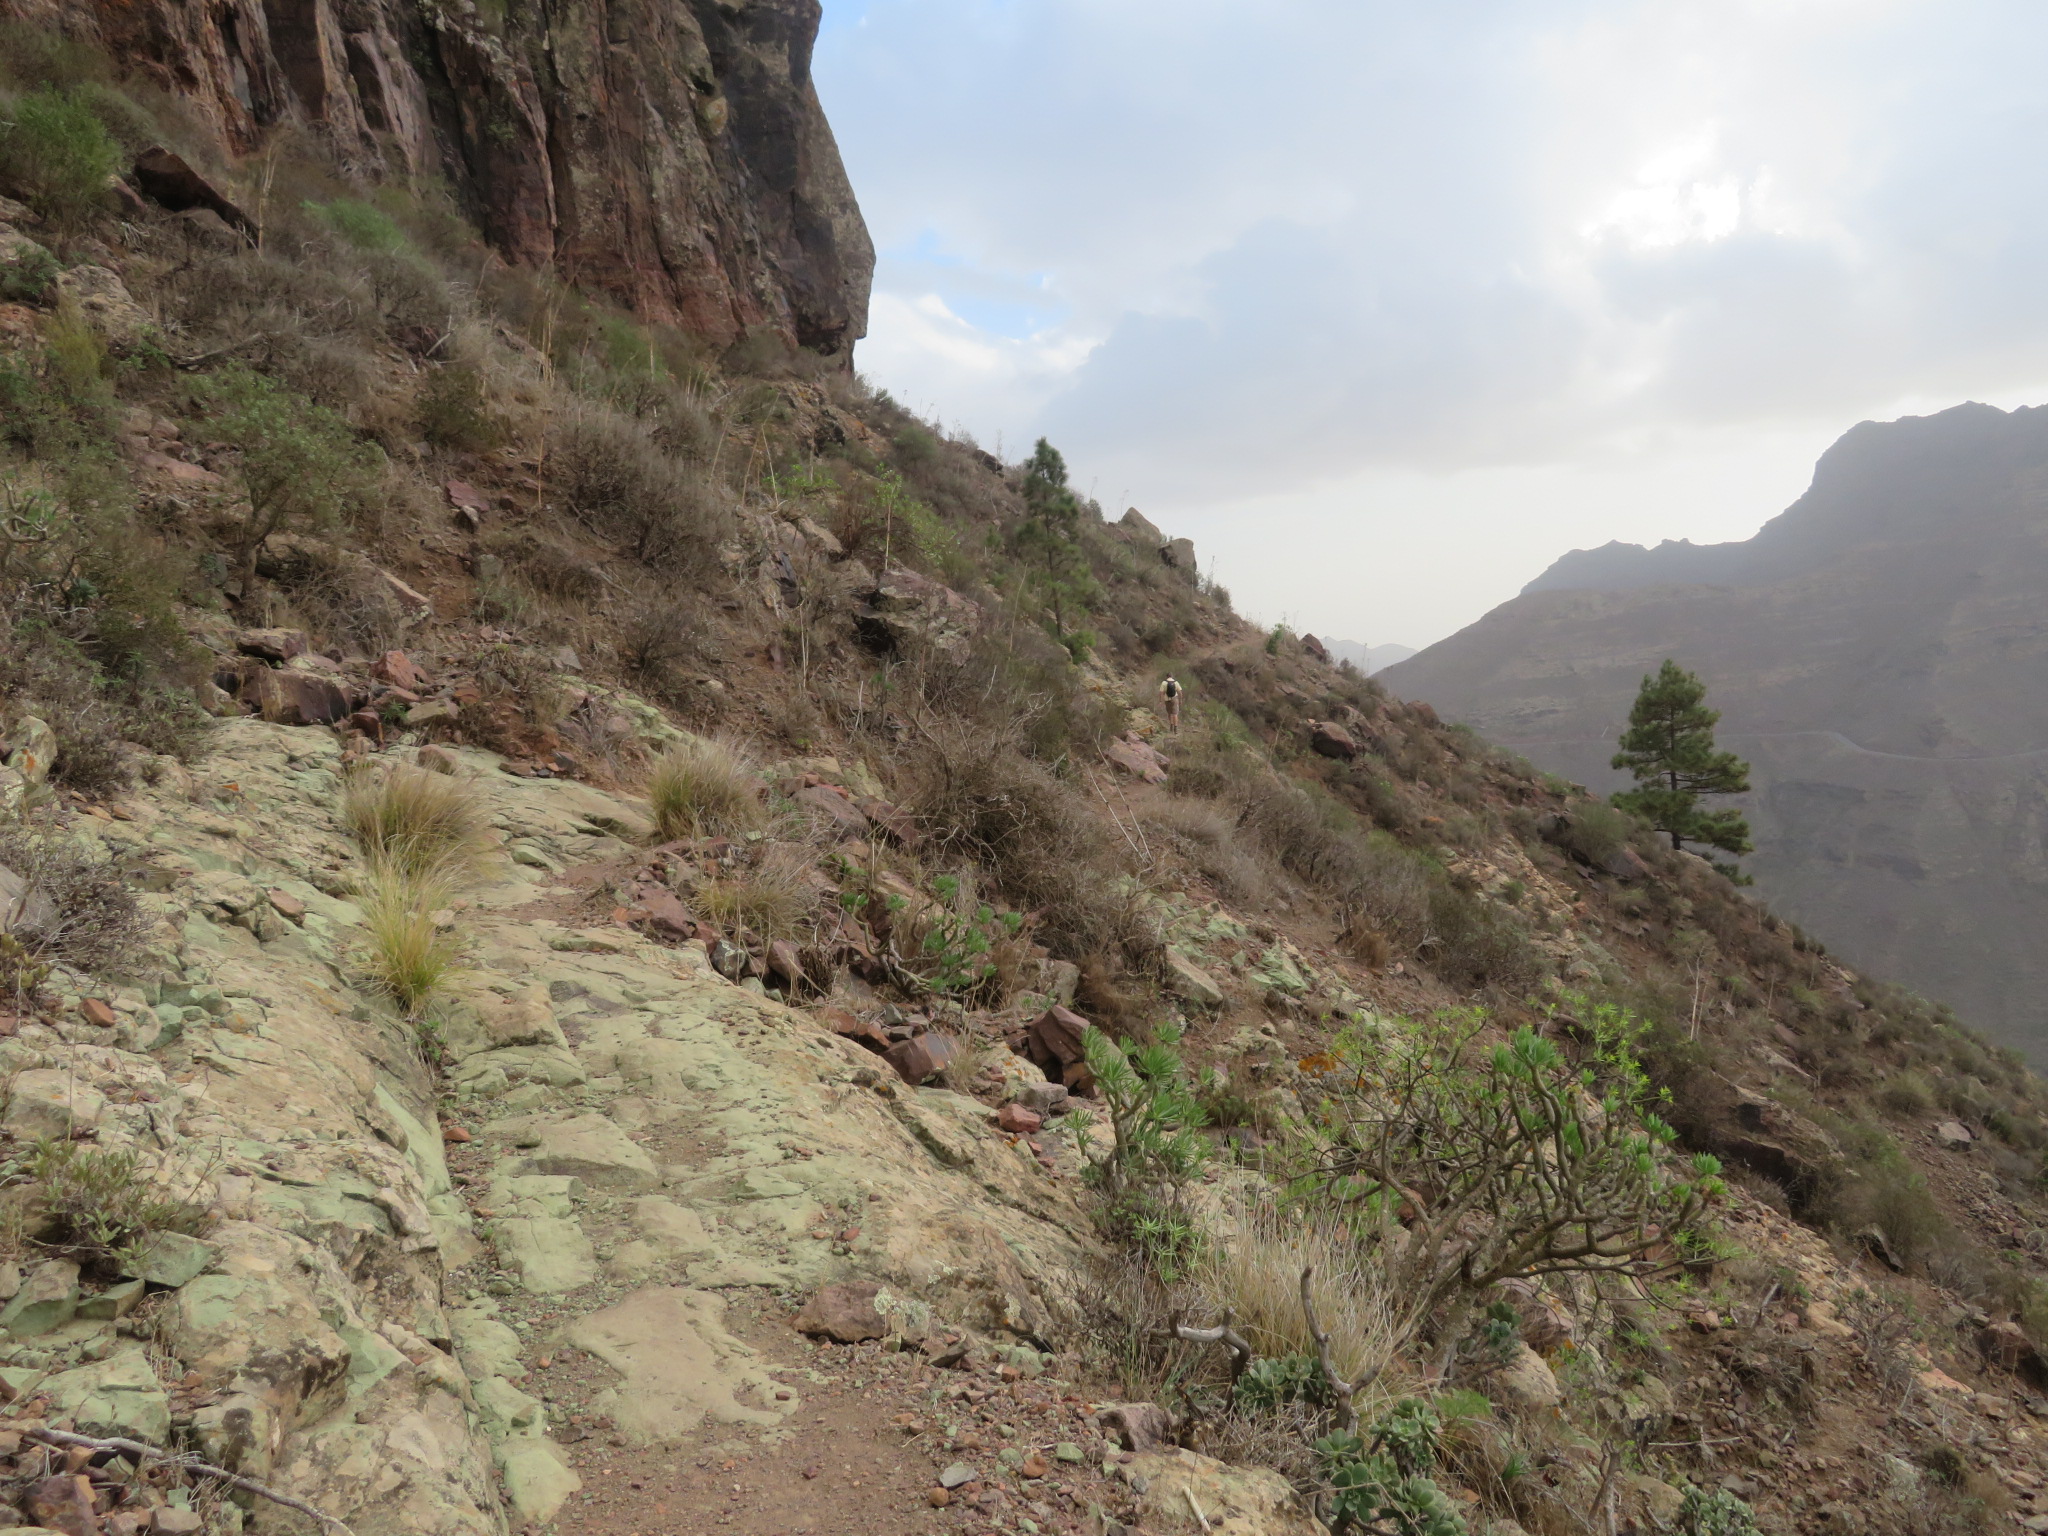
(670, 152)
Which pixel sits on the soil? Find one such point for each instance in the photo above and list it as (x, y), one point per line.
(861, 1456)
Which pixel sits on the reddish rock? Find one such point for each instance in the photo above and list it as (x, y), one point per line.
(903, 606)
(845, 1313)
(462, 494)
(1316, 648)
(917, 1059)
(2006, 1345)
(454, 1134)
(1053, 1041)
(63, 1504)
(1139, 1427)
(97, 1012)
(1018, 1120)
(287, 906)
(272, 644)
(1137, 757)
(837, 806)
(1329, 739)
(844, 1023)
(294, 698)
(893, 822)
(414, 602)
(399, 670)
(666, 916)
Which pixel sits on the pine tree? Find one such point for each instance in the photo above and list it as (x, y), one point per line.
(1669, 748)
(1050, 538)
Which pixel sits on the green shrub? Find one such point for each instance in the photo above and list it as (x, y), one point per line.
(453, 410)
(1715, 1513)
(361, 225)
(57, 153)
(101, 1206)
(29, 276)
(1158, 1152)
(300, 464)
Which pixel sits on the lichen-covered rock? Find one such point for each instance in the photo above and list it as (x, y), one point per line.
(1235, 1501)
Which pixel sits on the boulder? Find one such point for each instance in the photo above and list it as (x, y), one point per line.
(48, 1299)
(845, 1313)
(1953, 1133)
(279, 645)
(1190, 983)
(903, 607)
(397, 669)
(107, 305)
(294, 698)
(1043, 1099)
(1137, 757)
(1327, 738)
(1053, 1041)
(1525, 1381)
(49, 1102)
(32, 750)
(1143, 526)
(23, 908)
(1017, 1120)
(1179, 554)
(168, 180)
(1144, 1428)
(1316, 648)
(921, 1056)
(1234, 1501)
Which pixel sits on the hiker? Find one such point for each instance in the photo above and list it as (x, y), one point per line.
(1170, 692)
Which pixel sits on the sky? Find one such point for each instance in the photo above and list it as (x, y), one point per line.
(1387, 305)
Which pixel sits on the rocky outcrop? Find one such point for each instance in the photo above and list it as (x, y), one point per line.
(672, 153)
(639, 1140)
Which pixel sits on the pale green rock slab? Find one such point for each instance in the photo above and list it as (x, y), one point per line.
(47, 1102)
(680, 1365)
(48, 1299)
(538, 1477)
(116, 1301)
(547, 1253)
(485, 1346)
(591, 1148)
(524, 1064)
(506, 1409)
(116, 1396)
(173, 1259)
(1190, 983)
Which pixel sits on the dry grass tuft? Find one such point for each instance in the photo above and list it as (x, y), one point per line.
(774, 898)
(415, 825)
(702, 788)
(1253, 1266)
(408, 957)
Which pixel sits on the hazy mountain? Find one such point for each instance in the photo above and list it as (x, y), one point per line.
(1367, 658)
(1879, 651)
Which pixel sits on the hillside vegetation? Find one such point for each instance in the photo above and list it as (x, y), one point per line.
(1542, 1178)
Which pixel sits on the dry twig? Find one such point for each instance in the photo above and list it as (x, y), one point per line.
(138, 1452)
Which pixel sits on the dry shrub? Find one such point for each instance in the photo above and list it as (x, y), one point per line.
(774, 897)
(1204, 833)
(703, 788)
(74, 906)
(617, 479)
(977, 796)
(337, 596)
(414, 825)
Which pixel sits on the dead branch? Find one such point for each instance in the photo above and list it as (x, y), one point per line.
(1344, 1391)
(1223, 1333)
(137, 1451)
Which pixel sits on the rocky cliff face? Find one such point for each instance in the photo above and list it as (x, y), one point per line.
(669, 152)
(1875, 652)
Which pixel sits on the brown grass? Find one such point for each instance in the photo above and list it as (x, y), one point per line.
(414, 824)
(774, 898)
(703, 788)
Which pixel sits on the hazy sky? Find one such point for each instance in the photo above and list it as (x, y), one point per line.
(1387, 304)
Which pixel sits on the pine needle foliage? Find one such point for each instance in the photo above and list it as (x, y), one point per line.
(1669, 749)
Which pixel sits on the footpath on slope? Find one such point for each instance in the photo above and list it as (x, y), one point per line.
(570, 1306)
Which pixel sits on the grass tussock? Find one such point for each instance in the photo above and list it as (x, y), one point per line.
(406, 955)
(1252, 1265)
(413, 826)
(702, 788)
(773, 898)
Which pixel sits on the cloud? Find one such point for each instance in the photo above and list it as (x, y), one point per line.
(1399, 276)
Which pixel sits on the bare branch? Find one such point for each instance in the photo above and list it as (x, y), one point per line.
(1225, 1334)
(137, 1451)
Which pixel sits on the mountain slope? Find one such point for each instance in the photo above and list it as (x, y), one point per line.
(1876, 651)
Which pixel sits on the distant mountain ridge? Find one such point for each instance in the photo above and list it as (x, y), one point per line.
(1879, 650)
